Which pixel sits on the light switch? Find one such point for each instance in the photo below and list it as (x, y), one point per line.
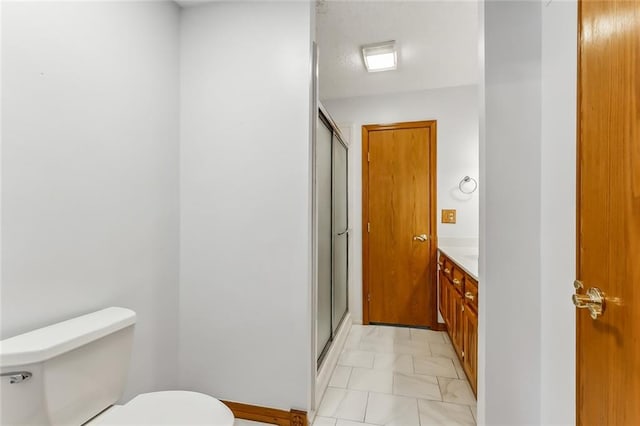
(448, 216)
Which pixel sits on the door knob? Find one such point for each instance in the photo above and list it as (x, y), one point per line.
(422, 238)
(593, 300)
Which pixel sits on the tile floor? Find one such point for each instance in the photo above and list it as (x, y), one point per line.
(395, 376)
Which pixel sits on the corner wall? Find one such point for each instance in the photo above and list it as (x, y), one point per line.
(527, 231)
(245, 232)
(90, 171)
(510, 246)
(558, 207)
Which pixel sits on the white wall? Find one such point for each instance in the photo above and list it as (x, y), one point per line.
(246, 202)
(456, 110)
(527, 231)
(90, 172)
(558, 201)
(510, 246)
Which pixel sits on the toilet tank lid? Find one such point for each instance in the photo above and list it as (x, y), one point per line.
(47, 342)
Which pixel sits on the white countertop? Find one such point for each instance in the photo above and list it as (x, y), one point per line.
(465, 257)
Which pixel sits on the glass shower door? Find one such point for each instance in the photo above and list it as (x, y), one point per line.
(324, 218)
(332, 236)
(340, 232)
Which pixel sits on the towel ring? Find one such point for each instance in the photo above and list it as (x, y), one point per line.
(468, 179)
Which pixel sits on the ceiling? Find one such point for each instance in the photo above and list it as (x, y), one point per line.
(437, 45)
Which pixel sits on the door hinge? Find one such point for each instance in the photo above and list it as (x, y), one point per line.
(462, 354)
(368, 226)
(462, 308)
(368, 157)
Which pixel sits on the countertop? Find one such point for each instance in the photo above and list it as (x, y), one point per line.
(465, 257)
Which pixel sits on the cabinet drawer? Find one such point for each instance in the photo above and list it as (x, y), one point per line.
(471, 293)
(457, 279)
(447, 267)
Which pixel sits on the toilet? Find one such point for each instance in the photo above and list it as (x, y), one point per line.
(73, 372)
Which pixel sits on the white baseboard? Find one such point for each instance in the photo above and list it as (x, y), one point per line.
(331, 359)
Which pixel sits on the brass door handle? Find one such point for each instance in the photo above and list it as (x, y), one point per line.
(469, 295)
(446, 270)
(456, 281)
(422, 238)
(593, 300)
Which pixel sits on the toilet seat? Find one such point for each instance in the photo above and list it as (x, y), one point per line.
(168, 408)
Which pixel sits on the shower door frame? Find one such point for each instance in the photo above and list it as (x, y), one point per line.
(326, 119)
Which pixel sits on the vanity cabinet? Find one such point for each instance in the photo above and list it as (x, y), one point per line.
(459, 308)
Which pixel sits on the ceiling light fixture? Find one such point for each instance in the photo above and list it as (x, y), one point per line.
(380, 56)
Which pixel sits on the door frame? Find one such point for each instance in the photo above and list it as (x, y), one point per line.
(433, 208)
(578, 391)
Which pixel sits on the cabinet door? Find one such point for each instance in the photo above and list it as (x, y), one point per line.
(470, 346)
(456, 304)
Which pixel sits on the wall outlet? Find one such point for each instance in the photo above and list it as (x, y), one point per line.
(448, 216)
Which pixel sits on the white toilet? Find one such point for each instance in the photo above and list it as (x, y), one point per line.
(71, 373)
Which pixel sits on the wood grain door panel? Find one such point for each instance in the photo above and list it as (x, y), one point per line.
(608, 349)
(400, 284)
(470, 346)
(398, 210)
(457, 330)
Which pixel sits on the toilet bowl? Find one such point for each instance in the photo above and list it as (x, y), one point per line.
(73, 373)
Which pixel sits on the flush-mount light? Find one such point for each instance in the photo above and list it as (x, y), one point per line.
(380, 56)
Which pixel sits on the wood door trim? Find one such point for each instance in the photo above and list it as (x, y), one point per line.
(578, 198)
(433, 223)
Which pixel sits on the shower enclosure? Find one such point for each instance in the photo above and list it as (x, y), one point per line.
(331, 155)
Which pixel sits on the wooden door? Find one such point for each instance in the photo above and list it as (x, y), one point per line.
(399, 224)
(608, 348)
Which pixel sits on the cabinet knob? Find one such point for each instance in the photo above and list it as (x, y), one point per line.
(469, 295)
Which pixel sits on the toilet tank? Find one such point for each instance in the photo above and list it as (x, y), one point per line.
(78, 368)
